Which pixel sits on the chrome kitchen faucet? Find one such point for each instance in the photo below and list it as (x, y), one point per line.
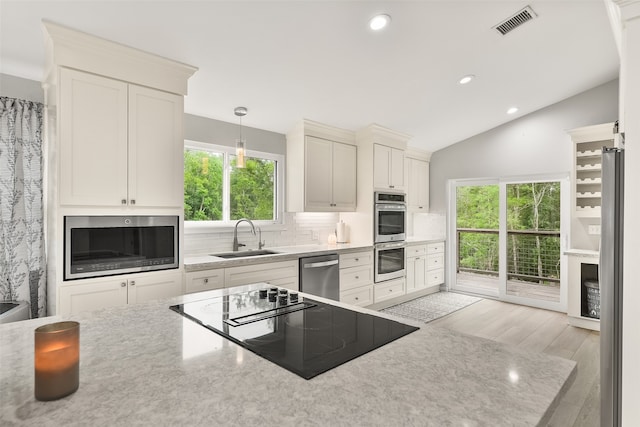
(237, 245)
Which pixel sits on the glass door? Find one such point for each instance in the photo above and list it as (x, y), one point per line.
(477, 220)
(506, 238)
(532, 243)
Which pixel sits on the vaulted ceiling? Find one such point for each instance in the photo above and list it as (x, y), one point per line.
(319, 60)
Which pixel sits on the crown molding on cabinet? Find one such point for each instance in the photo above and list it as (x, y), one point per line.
(320, 130)
(70, 48)
(416, 153)
(377, 134)
(592, 133)
(629, 9)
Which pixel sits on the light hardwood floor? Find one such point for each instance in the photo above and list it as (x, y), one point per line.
(543, 331)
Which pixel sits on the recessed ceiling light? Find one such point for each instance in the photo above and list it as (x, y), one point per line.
(512, 110)
(466, 79)
(378, 22)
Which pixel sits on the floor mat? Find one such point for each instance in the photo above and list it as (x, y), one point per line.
(431, 307)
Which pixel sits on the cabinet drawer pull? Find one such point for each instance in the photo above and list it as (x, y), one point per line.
(357, 259)
(133, 201)
(133, 282)
(123, 201)
(123, 284)
(357, 298)
(357, 277)
(390, 290)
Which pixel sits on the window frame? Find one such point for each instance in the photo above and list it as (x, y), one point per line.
(226, 222)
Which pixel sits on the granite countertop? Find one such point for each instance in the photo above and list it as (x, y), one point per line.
(582, 253)
(283, 253)
(421, 240)
(147, 365)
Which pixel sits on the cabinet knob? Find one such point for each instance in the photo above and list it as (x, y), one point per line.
(391, 186)
(133, 201)
(419, 207)
(123, 284)
(123, 201)
(390, 290)
(357, 259)
(133, 282)
(357, 277)
(357, 298)
(206, 280)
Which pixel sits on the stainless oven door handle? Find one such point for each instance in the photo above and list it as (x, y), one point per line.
(390, 245)
(321, 264)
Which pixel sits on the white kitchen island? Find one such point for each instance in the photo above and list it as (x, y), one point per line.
(147, 365)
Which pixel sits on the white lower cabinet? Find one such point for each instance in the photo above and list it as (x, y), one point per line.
(94, 294)
(389, 289)
(205, 280)
(435, 264)
(416, 267)
(356, 278)
(283, 274)
(362, 296)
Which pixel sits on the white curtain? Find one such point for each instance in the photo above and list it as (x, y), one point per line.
(22, 255)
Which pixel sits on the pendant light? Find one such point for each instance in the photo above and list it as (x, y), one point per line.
(240, 143)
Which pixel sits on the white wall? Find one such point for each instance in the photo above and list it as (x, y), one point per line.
(203, 129)
(17, 87)
(537, 143)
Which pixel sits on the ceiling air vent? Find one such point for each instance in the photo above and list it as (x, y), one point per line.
(509, 24)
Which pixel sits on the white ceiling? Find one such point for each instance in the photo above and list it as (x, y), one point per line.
(318, 59)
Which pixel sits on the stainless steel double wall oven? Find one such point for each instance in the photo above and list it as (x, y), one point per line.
(390, 210)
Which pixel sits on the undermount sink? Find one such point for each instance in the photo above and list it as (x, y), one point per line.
(244, 254)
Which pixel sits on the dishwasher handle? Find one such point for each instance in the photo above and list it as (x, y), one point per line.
(321, 264)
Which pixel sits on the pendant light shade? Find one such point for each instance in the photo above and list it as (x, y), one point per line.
(240, 143)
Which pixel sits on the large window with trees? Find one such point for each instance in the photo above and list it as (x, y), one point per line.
(218, 192)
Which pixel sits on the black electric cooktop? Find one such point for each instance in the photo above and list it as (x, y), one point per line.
(305, 336)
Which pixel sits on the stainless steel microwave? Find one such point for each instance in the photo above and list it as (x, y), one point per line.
(97, 246)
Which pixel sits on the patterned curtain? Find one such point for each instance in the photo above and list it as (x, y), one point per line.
(22, 256)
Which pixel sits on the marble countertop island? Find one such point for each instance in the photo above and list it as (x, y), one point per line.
(147, 365)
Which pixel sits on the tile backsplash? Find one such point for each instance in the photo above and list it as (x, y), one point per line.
(298, 229)
(429, 225)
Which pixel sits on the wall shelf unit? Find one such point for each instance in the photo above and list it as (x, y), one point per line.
(587, 168)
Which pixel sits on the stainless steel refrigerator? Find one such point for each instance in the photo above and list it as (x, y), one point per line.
(610, 280)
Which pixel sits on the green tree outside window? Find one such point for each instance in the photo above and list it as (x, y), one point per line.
(251, 194)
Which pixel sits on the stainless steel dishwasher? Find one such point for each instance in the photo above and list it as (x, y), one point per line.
(320, 275)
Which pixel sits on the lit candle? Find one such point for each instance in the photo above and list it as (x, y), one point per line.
(57, 360)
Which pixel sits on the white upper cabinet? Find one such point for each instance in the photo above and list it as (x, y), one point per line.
(343, 170)
(93, 139)
(418, 185)
(321, 169)
(156, 146)
(318, 179)
(119, 143)
(330, 175)
(388, 168)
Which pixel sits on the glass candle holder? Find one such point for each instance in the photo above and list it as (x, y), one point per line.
(57, 360)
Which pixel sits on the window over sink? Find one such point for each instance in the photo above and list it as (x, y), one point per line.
(218, 193)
